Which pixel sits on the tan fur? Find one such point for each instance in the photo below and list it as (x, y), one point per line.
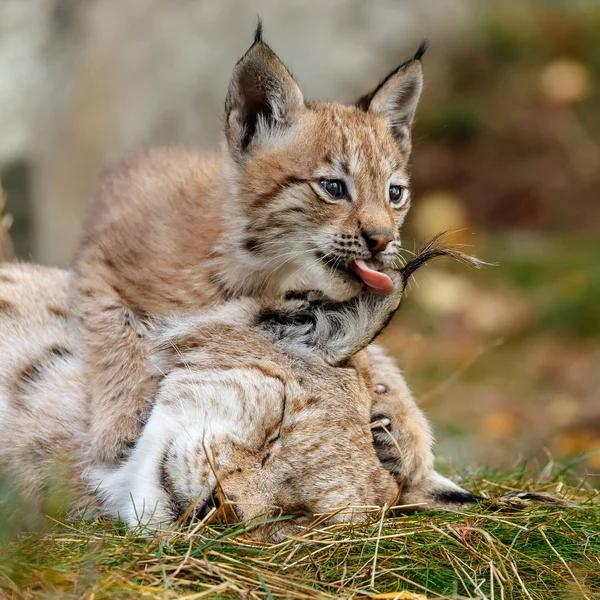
(42, 416)
(177, 230)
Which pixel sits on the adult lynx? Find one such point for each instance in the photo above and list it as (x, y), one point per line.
(248, 410)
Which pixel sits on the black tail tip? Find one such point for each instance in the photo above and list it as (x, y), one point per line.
(421, 50)
(258, 31)
(458, 497)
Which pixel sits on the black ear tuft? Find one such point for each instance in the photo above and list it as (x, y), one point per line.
(365, 101)
(262, 97)
(421, 50)
(396, 98)
(259, 30)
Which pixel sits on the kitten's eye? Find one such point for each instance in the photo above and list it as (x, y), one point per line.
(398, 195)
(334, 187)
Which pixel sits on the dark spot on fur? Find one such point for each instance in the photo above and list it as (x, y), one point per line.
(188, 343)
(164, 479)
(59, 351)
(125, 449)
(109, 262)
(130, 445)
(274, 320)
(295, 295)
(58, 311)
(288, 430)
(265, 459)
(7, 307)
(223, 290)
(6, 278)
(34, 371)
(119, 292)
(252, 245)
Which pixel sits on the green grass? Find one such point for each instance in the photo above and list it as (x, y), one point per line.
(494, 551)
(561, 276)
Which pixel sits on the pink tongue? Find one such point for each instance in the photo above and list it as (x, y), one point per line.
(377, 282)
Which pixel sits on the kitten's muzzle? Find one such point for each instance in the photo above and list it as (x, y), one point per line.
(377, 241)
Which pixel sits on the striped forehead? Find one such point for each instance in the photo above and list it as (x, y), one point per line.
(361, 146)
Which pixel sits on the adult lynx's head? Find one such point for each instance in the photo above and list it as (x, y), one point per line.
(324, 187)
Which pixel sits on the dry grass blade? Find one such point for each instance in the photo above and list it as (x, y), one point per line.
(377, 542)
(564, 562)
(397, 596)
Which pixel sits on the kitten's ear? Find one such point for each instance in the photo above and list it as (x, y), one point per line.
(262, 97)
(396, 98)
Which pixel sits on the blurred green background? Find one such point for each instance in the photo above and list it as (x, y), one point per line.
(506, 149)
(507, 361)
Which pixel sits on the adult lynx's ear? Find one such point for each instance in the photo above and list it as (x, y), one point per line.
(262, 97)
(397, 96)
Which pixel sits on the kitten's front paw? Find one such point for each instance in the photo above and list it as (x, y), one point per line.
(114, 440)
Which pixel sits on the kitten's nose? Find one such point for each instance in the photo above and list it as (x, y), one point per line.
(377, 240)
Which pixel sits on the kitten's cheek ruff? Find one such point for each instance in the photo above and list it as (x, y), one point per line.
(377, 282)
